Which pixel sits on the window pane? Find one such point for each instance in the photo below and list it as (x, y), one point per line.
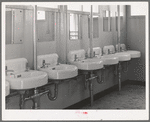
(138, 9)
(74, 24)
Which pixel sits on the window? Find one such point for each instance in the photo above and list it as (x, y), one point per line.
(74, 27)
(40, 15)
(138, 9)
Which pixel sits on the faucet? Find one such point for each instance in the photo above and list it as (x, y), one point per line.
(93, 53)
(6, 70)
(108, 51)
(75, 57)
(44, 64)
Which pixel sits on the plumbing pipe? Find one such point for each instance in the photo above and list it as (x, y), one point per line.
(91, 86)
(116, 70)
(91, 91)
(85, 81)
(118, 7)
(126, 66)
(55, 93)
(101, 79)
(34, 98)
(34, 36)
(21, 102)
(91, 32)
(119, 73)
(12, 28)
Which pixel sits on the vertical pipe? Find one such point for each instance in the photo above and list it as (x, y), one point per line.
(12, 27)
(55, 26)
(34, 36)
(91, 32)
(65, 7)
(118, 27)
(119, 68)
(108, 20)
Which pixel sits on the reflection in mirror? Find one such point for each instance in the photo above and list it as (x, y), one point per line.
(74, 26)
(95, 26)
(45, 26)
(14, 26)
(107, 20)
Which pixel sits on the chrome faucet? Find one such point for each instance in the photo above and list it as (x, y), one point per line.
(75, 57)
(108, 51)
(44, 64)
(6, 70)
(93, 53)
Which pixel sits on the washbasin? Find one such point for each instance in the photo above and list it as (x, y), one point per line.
(61, 71)
(20, 78)
(110, 59)
(55, 70)
(88, 64)
(7, 88)
(110, 50)
(27, 80)
(133, 53)
(123, 56)
(107, 59)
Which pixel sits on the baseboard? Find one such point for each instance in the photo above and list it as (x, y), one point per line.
(86, 101)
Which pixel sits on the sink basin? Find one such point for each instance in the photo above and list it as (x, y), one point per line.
(54, 71)
(27, 80)
(7, 88)
(123, 56)
(110, 59)
(84, 63)
(134, 54)
(88, 64)
(61, 71)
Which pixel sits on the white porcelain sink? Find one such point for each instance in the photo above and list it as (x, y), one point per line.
(82, 63)
(7, 88)
(88, 64)
(21, 79)
(54, 71)
(27, 80)
(133, 53)
(107, 59)
(123, 56)
(110, 59)
(61, 71)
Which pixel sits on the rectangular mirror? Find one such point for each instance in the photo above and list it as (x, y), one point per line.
(14, 26)
(107, 20)
(95, 26)
(46, 22)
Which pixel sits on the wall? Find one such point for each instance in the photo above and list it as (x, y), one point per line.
(71, 91)
(136, 41)
(26, 48)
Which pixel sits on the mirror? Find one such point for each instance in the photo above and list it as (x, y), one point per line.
(14, 26)
(95, 26)
(46, 22)
(107, 20)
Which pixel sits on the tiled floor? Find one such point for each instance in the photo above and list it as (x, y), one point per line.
(130, 97)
